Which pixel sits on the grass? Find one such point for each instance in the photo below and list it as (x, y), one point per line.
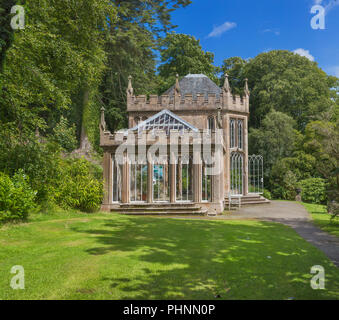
(323, 219)
(106, 256)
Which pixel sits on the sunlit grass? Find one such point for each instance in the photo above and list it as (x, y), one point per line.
(106, 256)
(323, 219)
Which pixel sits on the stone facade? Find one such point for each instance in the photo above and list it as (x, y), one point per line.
(196, 105)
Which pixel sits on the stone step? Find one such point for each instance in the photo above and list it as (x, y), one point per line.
(150, 209)
(159, 205)
(160, 213)
(251, 200)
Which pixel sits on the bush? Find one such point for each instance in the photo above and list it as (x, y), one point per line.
(313, 190)
(267, 194)
(80, 186)
(16, 197)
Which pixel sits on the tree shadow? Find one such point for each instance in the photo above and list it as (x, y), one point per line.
(199, 259)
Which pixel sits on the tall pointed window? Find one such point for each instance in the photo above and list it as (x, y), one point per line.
(232, 133)
(240, 134)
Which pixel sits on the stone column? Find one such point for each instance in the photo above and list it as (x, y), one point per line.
(107, 175)
(125, 196)
(197, 177)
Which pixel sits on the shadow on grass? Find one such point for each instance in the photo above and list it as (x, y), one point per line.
(196, 259)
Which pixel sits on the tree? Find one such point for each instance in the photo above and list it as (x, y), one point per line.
(285, 82)
(6, 32)
(274, 140)
(133, 38)
(234, 67)
(59, 52)
(182, 54)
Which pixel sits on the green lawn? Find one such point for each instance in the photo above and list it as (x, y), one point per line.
(107, 256)
(322, 219)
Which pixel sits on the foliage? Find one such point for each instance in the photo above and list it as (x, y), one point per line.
(182, 54)
(6, 32)
(65, 135)
(234, 67)
(274, 139)
(285, 82)
(283, 183)
(267, 194)
(39, 160)
(80, 186)
(58, 53)
(130, 46)
(16, 197)
(313, 190)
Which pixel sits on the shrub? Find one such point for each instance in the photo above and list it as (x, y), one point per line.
(267, 194)
(80, 186)
(313, 190)
(16, 197)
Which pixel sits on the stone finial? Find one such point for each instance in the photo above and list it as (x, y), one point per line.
(177, 86)
(246, 90)
(130, 88)
(102, 119)
(226, 85)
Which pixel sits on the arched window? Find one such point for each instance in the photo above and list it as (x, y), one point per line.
(211, 123)
(240, 134)
(232, 133)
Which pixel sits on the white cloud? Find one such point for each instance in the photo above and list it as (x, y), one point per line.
(274, 31)
(304, 53)
(219, 30)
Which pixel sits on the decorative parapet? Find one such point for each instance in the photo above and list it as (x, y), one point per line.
(226, 101)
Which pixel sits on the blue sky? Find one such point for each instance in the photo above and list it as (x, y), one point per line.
(246, 28)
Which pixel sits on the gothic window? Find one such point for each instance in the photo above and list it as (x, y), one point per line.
(232, 133)
(240, 134)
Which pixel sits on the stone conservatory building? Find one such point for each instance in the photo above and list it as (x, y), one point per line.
(185, 151)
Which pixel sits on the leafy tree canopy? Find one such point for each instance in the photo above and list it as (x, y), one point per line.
(182, 54)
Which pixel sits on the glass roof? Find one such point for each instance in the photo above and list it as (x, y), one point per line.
(166, 121)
